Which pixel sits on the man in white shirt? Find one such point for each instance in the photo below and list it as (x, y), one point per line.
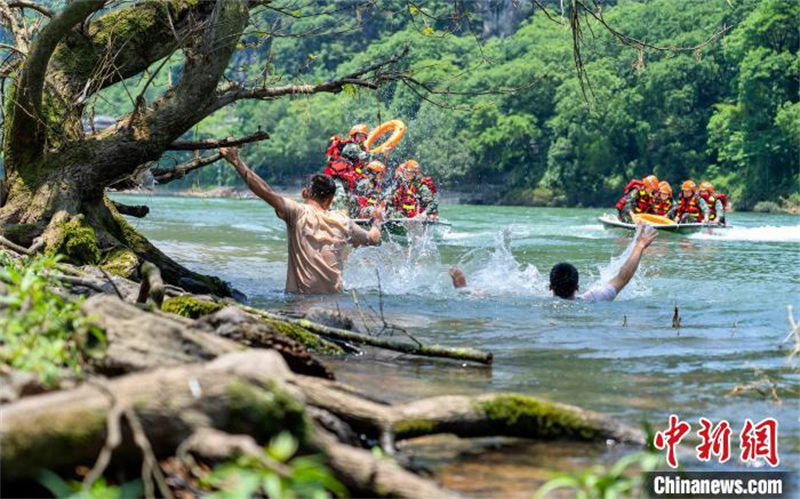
(564, 276)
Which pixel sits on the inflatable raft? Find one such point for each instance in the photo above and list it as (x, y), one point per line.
(659, 223)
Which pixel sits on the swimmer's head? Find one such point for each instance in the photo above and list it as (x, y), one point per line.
(564, 280)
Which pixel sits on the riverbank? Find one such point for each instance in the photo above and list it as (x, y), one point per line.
(524, 197)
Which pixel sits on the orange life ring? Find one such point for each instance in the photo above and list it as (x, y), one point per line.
(398, 129)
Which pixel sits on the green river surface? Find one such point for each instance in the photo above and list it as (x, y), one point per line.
(623, 358)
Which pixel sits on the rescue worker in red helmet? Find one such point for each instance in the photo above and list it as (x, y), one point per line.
(715, 202)
(663, 204)
(369, 191)
(413, 194)
(691, 207)
(346, 161)
(637, 198)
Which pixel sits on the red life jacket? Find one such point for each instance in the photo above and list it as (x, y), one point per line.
(405, 199)
(724, 199)
(633, 184)
(689, 205)
(339, 166)
(661, 207)
(372, 198)
(430, 183)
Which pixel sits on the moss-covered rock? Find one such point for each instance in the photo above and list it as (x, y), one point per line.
(308, 339)
(527, 416)
(186, 306)
(122, 262)
(77, 241)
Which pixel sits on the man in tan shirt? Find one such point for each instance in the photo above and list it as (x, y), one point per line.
(317, 237)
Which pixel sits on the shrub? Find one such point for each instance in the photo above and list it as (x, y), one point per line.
(40, 330)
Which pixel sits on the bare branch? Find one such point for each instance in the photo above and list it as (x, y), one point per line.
(138, 210)
(41, 9)
(336, 85)
(165, 176)
(181, 145)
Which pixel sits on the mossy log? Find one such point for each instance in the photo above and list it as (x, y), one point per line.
(494, 414)
(240, 393)
(470, 354)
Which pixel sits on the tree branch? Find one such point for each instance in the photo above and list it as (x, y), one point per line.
(336, 85)
(27, 132)
(165, 176)
(181, 145)
(138, 211)
(21, 4)
(123, 147)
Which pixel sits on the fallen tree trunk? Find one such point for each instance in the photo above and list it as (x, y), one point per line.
(241, 393)
(470, 354)
(493, 414)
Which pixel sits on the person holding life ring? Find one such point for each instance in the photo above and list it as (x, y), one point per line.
(398, 129)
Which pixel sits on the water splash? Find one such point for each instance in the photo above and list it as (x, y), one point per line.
(636, 287)
(767, 233)
(418, 269)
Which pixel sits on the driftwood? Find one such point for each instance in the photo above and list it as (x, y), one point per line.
(255, 393)
(137, 210)
(239, 393)
(470, 354)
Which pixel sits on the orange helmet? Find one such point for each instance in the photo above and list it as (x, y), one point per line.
(360, 128)
(689, 185)
(376, 167)
(650, 182)
(411, 165)
(664, 187)
(706, 186)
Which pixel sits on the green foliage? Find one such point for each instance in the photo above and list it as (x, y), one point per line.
(40, 331)
(625, 478)
(248, 476)
(513, 113)
(100, 489)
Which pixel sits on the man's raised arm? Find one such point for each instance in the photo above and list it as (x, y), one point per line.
(628, 269)
(253, 181)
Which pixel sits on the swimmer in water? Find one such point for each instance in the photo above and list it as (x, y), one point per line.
(564, 276)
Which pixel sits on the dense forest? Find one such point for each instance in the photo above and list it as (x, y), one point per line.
(707, 90)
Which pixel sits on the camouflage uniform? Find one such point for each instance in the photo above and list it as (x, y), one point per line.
(428, 203)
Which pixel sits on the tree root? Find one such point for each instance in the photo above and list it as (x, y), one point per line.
(470, 354)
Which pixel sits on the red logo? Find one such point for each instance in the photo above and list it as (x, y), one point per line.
(756, 441)
(716, 440)
(760, 440)
(671, 437)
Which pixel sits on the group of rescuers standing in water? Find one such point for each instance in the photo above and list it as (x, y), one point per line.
(320, 229)
(695, 204)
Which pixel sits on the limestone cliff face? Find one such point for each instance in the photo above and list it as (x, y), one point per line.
(502, 17)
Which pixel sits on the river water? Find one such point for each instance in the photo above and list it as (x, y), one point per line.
(624, 358)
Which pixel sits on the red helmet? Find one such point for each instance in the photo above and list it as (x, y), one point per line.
(651, 183)
(689, 185)
(360, 128)
(706, 186)
(411, 165)
(377, 167)
(664, 187)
